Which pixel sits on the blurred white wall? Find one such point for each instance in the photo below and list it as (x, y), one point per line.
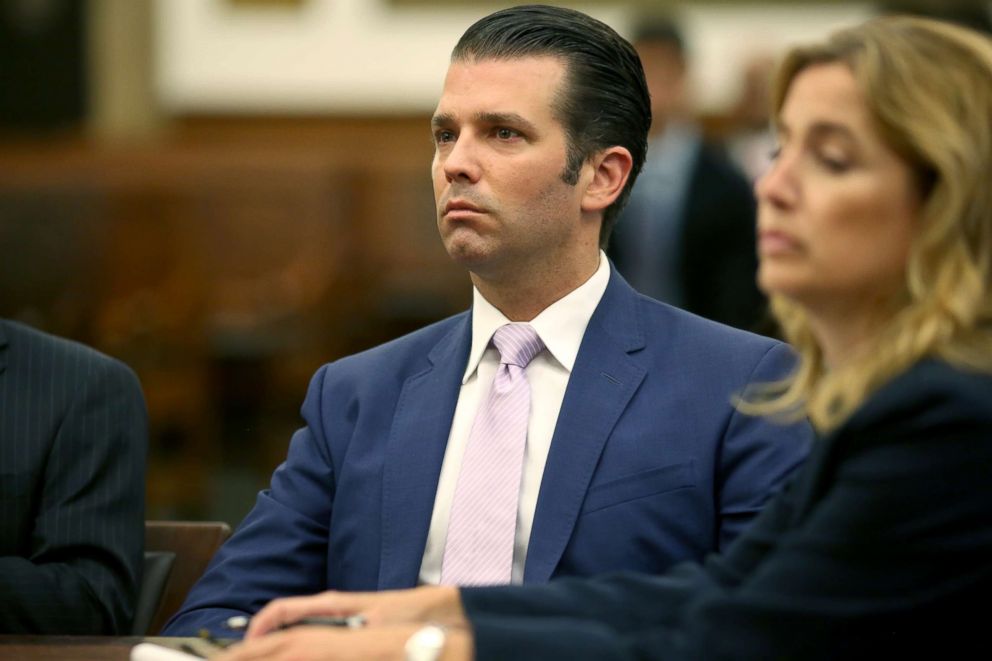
(721, 39)
(367, 56)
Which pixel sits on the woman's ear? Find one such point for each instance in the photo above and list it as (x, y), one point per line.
(610, 170)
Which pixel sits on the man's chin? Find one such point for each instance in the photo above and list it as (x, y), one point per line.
(467, 253)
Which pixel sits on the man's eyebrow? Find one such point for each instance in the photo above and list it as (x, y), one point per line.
(442, 119)
(510, 118)
(490, 118)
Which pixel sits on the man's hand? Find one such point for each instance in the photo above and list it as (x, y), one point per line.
(440, 604)
(318, 643)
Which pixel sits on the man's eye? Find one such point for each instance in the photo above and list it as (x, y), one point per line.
(506, 134)
(444, 136)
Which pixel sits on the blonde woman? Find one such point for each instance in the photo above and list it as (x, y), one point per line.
(875, 239)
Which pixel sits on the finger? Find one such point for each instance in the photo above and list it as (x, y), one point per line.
(291, 609)
(275, 614)
(267, 619)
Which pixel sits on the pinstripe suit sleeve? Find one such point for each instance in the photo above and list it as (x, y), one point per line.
(73, 441)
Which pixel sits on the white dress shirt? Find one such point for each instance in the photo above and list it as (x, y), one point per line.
(561, 327)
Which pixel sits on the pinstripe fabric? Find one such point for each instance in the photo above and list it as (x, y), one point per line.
(73, 440)
(479, 546)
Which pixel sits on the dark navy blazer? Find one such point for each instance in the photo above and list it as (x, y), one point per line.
(880, 547)
(649, 464)
(73, 440)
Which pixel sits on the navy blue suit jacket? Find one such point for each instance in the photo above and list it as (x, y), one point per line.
(73, 440)
(649, 463)
(880, 547)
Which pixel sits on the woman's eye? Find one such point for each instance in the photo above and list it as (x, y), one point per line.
(834, 163)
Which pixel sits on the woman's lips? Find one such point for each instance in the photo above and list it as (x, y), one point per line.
(774, 242)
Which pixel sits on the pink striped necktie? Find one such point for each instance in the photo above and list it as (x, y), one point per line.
(483, 520)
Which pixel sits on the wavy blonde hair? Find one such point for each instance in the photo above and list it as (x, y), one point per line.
(928, 87)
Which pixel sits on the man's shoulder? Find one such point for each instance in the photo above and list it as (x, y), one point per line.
(685, 349)
(22, 346)
(681, 329)
(45, 374)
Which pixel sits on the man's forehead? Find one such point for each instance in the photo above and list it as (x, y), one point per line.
(501, 84)
(546, 67)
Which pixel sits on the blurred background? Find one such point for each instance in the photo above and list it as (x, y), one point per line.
(226, 194)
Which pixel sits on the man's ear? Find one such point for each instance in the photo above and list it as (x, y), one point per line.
(610, 169)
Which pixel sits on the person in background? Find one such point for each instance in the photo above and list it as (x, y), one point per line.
(875, 237)
(566, 425)
(687, 235)
(751, 142)
(73, 441)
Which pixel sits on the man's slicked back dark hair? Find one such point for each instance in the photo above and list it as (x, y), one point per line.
(605, 99)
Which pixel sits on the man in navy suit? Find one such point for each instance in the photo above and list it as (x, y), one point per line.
(73, 440)
(635, 455)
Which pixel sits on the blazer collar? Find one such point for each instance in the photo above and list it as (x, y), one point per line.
(605, 378)
(414, 454)
(617, 314)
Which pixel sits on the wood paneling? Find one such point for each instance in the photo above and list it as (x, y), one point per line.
(225, 264)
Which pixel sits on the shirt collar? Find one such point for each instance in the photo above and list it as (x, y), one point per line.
(560, 326)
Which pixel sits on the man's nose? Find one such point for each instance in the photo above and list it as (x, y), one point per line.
(462, 159)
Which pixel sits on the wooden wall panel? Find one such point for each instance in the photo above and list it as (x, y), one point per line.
(225, 264)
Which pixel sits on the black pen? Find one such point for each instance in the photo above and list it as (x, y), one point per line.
(349, 621)
(240, 622)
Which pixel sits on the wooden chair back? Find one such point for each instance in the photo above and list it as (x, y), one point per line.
(194, 543)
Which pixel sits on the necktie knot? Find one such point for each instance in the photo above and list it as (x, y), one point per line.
(517, 344)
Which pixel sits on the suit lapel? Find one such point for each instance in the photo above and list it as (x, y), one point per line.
(414, 453)
(602, 382)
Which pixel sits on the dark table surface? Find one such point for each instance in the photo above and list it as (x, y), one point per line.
(84, 648)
